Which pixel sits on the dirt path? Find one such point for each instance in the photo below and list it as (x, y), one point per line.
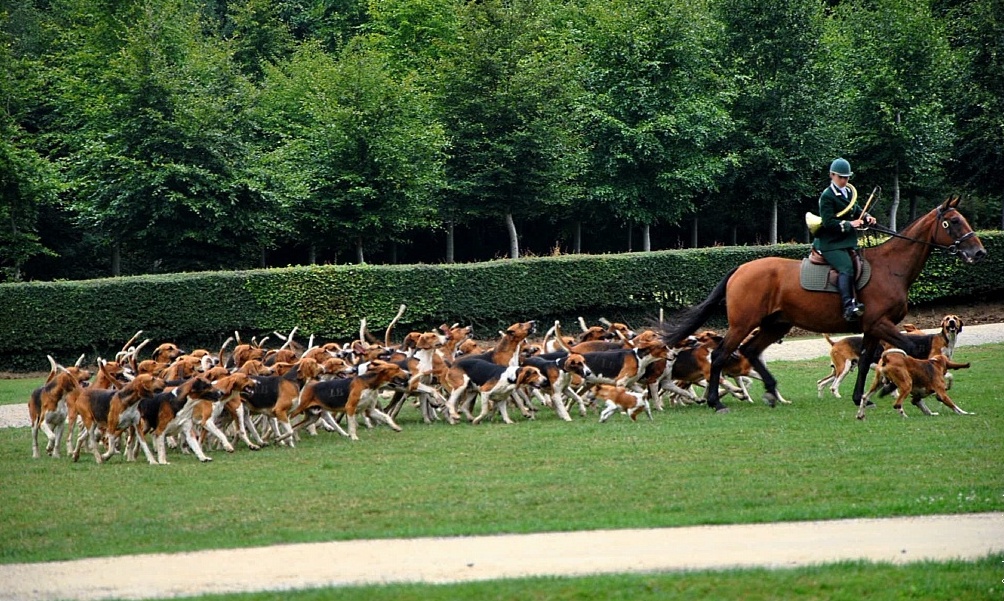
(440, 560)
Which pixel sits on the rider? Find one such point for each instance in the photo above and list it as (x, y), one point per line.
(837, 236)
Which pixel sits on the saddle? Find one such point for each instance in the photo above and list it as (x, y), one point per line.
(816, 274)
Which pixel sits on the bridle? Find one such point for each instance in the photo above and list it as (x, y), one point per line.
(952, 249)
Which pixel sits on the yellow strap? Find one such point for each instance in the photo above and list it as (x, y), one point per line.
(854, 199)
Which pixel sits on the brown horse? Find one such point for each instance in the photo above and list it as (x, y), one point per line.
(766, 293)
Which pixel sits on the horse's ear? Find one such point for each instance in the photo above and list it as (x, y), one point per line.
(954, 202)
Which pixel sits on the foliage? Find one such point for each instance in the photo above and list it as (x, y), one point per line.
(785, 107)
(658, 110)
(149, 138)
(28, 181)
(895, 59)
(145, 137)
(977, 97)
(508, 102)
(354, 154)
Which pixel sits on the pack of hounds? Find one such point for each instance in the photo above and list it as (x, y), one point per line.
(258, 395)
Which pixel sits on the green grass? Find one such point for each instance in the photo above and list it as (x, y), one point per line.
(849, 581)
(809, 460)
(17, 391)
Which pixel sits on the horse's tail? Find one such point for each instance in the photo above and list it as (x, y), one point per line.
(694, 317)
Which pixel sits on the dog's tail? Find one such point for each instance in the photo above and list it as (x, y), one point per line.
(693, 318)
(949, 364)
(827, 337)
(558, 338)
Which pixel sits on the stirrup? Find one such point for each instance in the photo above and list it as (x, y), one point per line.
(853, 311)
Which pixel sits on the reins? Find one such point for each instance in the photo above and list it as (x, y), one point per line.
(952, 248)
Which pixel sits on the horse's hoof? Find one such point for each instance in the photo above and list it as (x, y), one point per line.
(770, 399)
(722, 410)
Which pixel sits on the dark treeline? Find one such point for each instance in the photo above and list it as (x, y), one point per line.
(144, 136)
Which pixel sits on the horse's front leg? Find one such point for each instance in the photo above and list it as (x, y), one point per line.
(869, 354)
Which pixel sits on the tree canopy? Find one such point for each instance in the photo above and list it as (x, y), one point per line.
(149, 136)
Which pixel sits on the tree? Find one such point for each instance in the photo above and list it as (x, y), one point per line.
(27, 180)
(895, 57)
(658, 109)
(355, 155)
(508, 99)
(152, 132)
(786, 118)
(977, 31)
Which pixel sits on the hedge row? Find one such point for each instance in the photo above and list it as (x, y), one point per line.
(201, 309)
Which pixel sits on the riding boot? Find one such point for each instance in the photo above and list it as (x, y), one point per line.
(852, 309)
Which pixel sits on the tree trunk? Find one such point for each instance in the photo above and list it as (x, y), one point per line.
(646, 239)
(693, 233)
(734, 235)
(510, 227)
(773, 223)
(393, 252)
(577, 238)
(312, 254)
(913, 208)
(895, 196)
(1002, 214)
(116, 259)
(449, 242)
(359, 250)
(262, 256)
(630, 238)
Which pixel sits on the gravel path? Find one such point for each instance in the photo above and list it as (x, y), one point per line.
(441, 560)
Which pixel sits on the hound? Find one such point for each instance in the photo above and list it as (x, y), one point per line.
(94, 406)
(916, 378)
(124, 416)
(844, 356)
(276, 396)
(47, 407)
(620, 399)
(492, 383)
(206, 414)
(350, 396)
(170, 412)
(559, 368)
(845, 353)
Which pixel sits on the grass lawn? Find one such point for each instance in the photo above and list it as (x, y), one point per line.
(809, 460)
(851, 581)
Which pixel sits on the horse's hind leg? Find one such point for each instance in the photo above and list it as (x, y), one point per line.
(719, 357)
(753, 351)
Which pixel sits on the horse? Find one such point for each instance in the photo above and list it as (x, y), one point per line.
(766, 294)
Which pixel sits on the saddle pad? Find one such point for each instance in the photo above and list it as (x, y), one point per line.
(816, 277)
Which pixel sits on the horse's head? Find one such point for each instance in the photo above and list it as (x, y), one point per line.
(955, 233)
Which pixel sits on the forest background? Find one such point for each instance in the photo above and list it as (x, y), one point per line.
(150, 136)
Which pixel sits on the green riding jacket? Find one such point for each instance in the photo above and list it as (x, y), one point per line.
(836, 233)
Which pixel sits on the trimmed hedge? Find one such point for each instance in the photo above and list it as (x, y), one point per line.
(201, 309)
